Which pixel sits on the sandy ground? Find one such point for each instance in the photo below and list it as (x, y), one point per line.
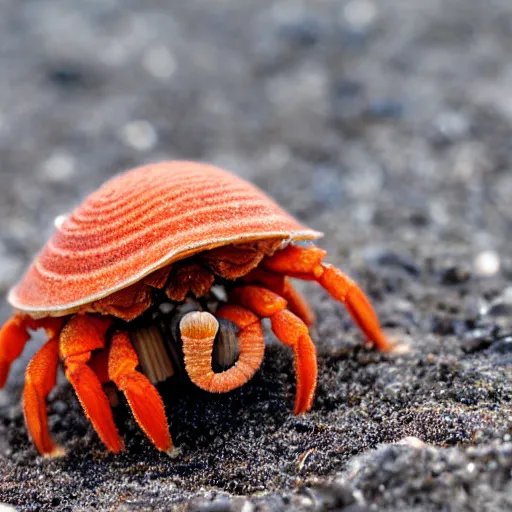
(387, 125)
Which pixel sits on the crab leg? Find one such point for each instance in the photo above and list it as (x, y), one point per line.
(40, 378)
(81, 335)
(281, 285)
(291, 331)
(143, 398)
(306, 263)
(198, 331)
(14, 335)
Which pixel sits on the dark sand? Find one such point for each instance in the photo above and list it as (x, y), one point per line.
(386, 124)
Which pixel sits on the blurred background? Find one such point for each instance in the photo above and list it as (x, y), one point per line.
(386, 124)
(372, 121)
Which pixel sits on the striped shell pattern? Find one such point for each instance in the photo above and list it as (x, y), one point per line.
(143, 220)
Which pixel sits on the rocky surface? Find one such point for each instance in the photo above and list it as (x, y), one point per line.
(387, 125)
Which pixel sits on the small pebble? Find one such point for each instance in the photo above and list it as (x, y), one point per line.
(59, 167)
(413, 442)
(140, 135)
(487, 263)
(360, 14)
(159, 62)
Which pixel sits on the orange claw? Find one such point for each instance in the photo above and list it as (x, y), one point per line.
(143, 398)
(306, 263)
(78, 338)
(291, 331)
(198, 331)
(40, 378)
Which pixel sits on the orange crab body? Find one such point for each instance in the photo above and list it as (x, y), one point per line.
(172, 229)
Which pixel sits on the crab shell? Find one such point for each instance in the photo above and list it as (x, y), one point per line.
(141, 221)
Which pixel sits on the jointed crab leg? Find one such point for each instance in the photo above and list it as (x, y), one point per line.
(290, 330)
(40, 378)
(14, 335)
(281, 285)
(198, 330)
(78, 338)
(143, 398)
(306, 263)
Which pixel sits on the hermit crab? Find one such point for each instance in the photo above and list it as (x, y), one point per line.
(163, 237)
